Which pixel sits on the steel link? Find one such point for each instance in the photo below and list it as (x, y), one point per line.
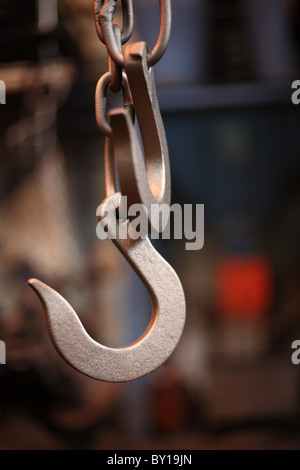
(106, 10)
(101, 99)
(104, 25)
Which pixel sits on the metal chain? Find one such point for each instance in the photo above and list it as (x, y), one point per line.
(100, 101)
(104, 10)
(104, 25)
(131, 71)
(113, 68)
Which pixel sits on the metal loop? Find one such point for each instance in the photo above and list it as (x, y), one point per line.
(114, 69)
(164, 33)
(100, 101)
(106, 10)
(105, 19)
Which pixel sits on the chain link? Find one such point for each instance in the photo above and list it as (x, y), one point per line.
(116, 71)
(101, 101)
(164, 33)
(103, 13)
(132, 72)
(104, 10)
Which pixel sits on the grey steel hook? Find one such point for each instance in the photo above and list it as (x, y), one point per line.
(162, 334)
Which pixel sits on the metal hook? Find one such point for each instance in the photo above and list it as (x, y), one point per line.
(164, 330)
(147, 185)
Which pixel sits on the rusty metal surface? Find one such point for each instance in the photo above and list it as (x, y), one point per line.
(113, 68)
(144, 184)
(151, 184)
(148, 352)
(100, 101)
(104, 25)
(103, 14)
(164, 33)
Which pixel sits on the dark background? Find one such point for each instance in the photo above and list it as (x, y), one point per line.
(224, 87)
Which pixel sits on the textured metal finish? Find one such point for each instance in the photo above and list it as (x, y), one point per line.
(156, 344)
(104, 11)
(164, 33)
(151, 184)
(104, 26)
(109, 168)
(114, 69)
(100, 101)
(144, 184)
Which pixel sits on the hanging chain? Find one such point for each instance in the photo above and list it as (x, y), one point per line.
(105, 9)
(131, 71)
(103, 13)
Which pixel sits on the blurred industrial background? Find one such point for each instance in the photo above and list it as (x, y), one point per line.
(224, 87)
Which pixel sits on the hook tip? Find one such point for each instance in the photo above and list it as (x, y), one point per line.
(34, 283)
(39, 288)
